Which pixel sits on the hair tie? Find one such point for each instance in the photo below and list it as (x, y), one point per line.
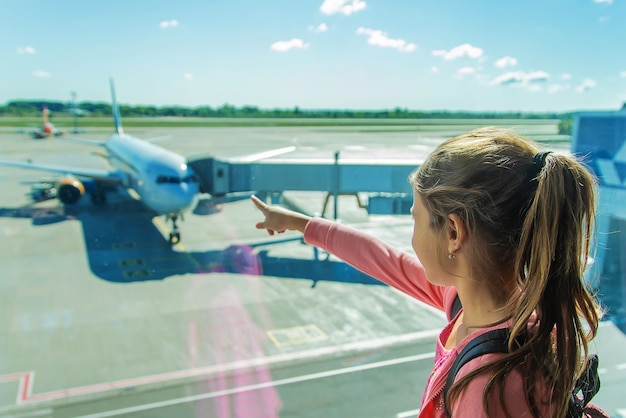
(539, 161)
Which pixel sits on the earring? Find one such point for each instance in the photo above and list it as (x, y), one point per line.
(451, 256)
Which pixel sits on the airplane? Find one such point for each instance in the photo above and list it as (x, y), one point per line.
(47, 129)
(163, 179)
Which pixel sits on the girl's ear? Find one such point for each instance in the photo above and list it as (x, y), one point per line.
(457, 233)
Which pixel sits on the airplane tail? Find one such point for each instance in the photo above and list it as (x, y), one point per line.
(44, 112)
(116, 110)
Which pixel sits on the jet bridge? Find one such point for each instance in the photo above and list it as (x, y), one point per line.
(385, 183)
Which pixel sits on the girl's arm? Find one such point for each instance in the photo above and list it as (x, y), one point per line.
(371, 255)
(377, 258)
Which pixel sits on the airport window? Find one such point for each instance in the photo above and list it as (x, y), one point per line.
(138, 278)
(206, 304)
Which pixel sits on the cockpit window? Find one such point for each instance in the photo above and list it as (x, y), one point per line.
(168, 179)
(176, 180)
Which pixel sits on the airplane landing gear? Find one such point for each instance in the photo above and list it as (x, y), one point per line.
(174, 238)
(175, 234)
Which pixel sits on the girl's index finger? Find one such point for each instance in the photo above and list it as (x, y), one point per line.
(258, 203)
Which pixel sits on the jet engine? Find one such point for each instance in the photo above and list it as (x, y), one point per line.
(69, 190)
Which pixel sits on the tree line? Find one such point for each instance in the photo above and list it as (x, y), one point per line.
(30, 108)
(33, 107)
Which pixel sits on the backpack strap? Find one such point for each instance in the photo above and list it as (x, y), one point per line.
(589, 384)
(494, 341)
(456, 306)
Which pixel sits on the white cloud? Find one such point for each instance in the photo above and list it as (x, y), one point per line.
(555, 88)
(41, 74)
(459, 51)
(622, 74)
(322, 27)
(434, 69)
(379, 38)
(25, 50)
(603, 1)
(462, 72)
(168, 24)
(347, 7)
(603, 19)
(283, 46)
(587, 84)
(566, 76)
(506, 62)
(188, 76)
(521, 77)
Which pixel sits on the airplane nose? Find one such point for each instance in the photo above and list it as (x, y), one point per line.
(175, 200)
(188, 194)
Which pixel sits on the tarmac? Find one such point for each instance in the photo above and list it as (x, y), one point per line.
(101, 316)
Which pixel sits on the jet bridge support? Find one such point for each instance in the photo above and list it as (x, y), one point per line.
(385, 183)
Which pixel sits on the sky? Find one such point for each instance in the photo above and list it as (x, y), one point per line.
(476, 55)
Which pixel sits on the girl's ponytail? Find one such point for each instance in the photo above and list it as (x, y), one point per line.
(554, 244)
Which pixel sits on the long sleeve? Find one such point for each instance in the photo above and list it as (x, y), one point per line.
(380, 260)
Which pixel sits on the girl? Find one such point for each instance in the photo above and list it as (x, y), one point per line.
(506, 228)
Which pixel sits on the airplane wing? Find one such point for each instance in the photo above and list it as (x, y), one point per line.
(83, 141)
(265, 154)
(102, 175)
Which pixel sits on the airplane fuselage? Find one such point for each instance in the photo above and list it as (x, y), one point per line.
(162, 178)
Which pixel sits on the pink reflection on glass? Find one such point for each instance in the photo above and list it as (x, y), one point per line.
(234, 331)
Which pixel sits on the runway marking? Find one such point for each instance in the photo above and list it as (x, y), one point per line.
(161, 226)
(297, 335)
(25, 384)
(406, 414)
(264, 385)
(26, 379)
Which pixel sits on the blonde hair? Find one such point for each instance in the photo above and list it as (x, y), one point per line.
(529, 222)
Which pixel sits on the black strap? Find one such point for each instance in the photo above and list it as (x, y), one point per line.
(456, 306)
(494, 341)
(588, 384)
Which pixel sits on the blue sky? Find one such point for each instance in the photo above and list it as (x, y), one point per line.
(530, 55)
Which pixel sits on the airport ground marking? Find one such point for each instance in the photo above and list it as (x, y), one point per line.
(407, 414)
(26, 379)
(25, 384)
(25, 396)
(299, 335)
(264, 385)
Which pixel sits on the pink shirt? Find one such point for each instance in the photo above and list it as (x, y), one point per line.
(404, 271)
